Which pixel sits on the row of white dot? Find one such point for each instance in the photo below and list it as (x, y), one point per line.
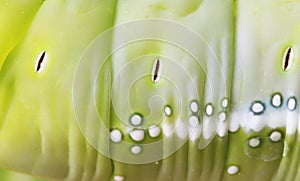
(193, 121)
(258, 107)
(136, 135)
(194, 107)
(209, 109)
(275, 137)
(154, 131)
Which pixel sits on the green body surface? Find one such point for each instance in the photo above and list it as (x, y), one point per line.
(164, 90)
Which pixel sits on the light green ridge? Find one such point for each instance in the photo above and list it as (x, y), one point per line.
(262, 38)
(7, 175)
(189, 72)
(15, 17)
(132, 67)
(261, 41)
(39, 133)
(209, 161)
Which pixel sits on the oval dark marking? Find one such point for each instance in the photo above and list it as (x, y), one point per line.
(40, 60)
(288, 59)
(156, 69)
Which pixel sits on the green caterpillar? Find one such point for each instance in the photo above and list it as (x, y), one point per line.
(150, 90)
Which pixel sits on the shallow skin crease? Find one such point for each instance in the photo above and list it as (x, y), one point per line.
(230, 114)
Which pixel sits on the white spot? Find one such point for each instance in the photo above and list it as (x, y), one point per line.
(234, 122)
(119, 178)
(136, 120)
(136, 149)
(195, 133)
(278, 119)
(41, 62)
(209, 109)
(222, 129)
(168, 111)
(276, 100)
(292, 103)
(285, 149)
(167, 129)
(222, 116)
(288, 59)
(154, 131)
(256, 123)
(194, 107)
(292, 124)
(181, 129)
(209, 128)
(254, 142)
(193, 121)
(224, 103)
(116, 136)
(231, 170)
(137, 135)
(275, 136)
(257, 108)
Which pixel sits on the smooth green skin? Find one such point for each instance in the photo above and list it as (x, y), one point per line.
(7, 175)
(15, 17)
(39, 134)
